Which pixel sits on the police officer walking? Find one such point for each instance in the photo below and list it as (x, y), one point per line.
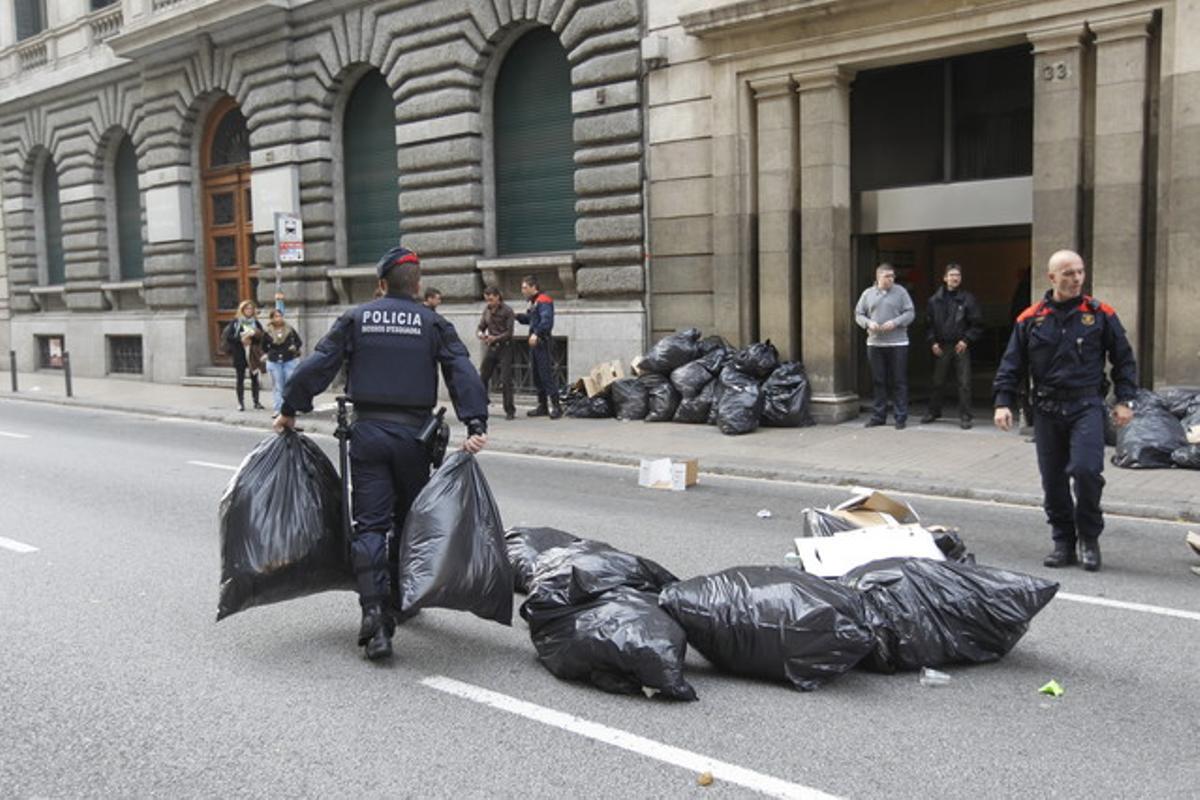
(1062, 342)
(393, 346)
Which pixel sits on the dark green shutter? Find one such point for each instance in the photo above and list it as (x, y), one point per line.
(129, 213)
(30, 19)
(56, 269)
(371, 175)
(535, 164)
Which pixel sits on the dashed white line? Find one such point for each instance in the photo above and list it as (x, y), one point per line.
(686, 759)
(1162, 611)
(8, 435)
(211, 465)
(17, 547)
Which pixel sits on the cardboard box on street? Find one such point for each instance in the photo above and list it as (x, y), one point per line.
(869, 508)
(667, 473)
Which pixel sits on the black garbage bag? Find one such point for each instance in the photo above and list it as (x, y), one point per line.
(629, 399)
(717, 393)
(671, 351)
(1110, 427)
(524, 545)
(697, 409)
(711, 343)
(1179, 400)
(452, 550)
(1187, 457)
(581, 570)
(758, 360)
(739, 410)
(952, 545)
(596, 407)
(281, 527)
(661, 398)
(1192, 420)
(619, 640)
(691, 378)
(927, 613)
(780, 623)
(1150, 438)
(786, 397)
(823, 522)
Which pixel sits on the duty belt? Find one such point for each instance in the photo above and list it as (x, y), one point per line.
(412, 419)
(1052, 393)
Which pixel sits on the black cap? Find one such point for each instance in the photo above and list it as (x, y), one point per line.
(397, 255)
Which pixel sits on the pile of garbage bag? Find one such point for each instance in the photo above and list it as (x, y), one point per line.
(1163, 432)
(689, 379)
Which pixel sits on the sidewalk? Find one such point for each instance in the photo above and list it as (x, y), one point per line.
(981, 463)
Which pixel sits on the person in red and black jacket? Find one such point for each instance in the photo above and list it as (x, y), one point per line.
(540, 319)
(1062, 342)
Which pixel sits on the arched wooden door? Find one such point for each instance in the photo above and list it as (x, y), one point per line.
(229, 265)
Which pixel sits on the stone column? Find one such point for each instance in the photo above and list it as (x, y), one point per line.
(1058, 137)
(826, 267)
(777, 141)
(1120, 174)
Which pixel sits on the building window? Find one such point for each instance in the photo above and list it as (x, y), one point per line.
(125, 355)
(129, 212)
(56, 269)
(371, 175)
(966, 118)
(31, 18)
(99, 4)
(534, 148)
(50, 351)
(230, 142)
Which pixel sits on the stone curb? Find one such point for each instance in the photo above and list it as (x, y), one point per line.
(322, 424)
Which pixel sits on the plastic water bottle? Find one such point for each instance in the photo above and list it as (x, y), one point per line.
(932, 677)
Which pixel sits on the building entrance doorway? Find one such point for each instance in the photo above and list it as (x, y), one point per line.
(995, 267)
(230, 272)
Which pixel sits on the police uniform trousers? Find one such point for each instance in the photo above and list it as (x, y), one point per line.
(543, 370)
(1070, 447)
(389, 467)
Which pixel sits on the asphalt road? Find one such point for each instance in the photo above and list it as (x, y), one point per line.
(116, 681)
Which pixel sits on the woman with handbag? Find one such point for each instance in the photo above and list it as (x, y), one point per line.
(243, 340)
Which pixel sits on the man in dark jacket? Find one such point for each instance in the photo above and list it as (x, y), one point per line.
(495, 331)
(953, 324)
(540, 319)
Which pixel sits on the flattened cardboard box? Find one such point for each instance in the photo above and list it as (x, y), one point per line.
(869, 508)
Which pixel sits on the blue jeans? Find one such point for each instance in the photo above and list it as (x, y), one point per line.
(281, 373)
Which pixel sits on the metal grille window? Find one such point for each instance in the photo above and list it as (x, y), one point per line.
(125, 355)
(50, 351)
(522, 366)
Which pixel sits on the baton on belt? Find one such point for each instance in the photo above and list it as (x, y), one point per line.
(343, 436)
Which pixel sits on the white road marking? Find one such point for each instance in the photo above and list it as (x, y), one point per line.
(14, 435)
(1162, 611)
(17, 547)
(695, 762)
(211, 465)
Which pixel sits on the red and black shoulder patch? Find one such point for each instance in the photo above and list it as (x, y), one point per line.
(1038, 309)
(543, 298)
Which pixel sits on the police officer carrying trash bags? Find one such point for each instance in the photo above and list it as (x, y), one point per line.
(1062, 342)
(393, 346)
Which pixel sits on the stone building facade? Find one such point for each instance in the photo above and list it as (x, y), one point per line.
(794, 144)
(146, 145)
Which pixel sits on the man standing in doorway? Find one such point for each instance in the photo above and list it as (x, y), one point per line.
(885, 311)
(953, 325)
(539, 316)
(1061, 342)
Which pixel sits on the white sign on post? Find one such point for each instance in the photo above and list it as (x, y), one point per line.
(289, 238)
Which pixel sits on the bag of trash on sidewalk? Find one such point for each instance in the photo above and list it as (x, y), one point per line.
(596, 407)
(779, 623)
(929, 613)
(739, 410)
(786, 397)
(691, 378)
(697, 409)
(619, 640)
(629, 399)
(1187, 457)
(661, 398)
(1191, 426)
(1179, 400)
(524, 545)
(581, 570)
(671, 351)
(1150, 438)
(710, 344)
(282, 535)
(452, 550)
(758, 360)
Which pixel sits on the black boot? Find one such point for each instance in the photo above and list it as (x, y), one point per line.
(1089, 554)
(556, 409)
(540, 411)
(376, 631)
(1063, 554)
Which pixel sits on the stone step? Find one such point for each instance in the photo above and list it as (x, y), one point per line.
(221, 378)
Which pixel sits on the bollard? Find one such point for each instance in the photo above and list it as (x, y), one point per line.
(67, 372)
(12, 367)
